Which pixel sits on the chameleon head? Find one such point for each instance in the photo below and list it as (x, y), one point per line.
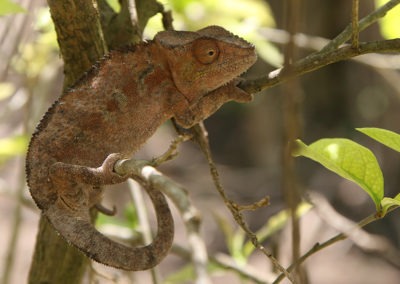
(203, 61)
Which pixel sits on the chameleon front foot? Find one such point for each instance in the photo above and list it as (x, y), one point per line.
(106, 170)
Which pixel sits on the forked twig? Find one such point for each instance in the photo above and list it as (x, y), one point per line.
(201, 138)
(331, 53)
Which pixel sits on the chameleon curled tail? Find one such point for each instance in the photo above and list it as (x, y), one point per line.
(77, 229)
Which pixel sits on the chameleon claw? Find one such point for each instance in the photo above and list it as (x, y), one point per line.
(106, 211)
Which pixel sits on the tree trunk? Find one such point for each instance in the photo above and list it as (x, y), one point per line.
(81, 41)
(84, 33)
(54, 261)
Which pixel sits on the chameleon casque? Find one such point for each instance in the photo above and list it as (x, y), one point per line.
(110, 113)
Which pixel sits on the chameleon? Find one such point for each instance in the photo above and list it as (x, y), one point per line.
(110, 112)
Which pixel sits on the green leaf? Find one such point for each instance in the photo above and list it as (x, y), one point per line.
(131, 215)
(234, 239)
(349, 160)
(388, 138)
(130, 221)
(115, 5)
(8, 7)
(388, 202)
(389, 25)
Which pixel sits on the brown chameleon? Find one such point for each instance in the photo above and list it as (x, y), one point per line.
(110, 113)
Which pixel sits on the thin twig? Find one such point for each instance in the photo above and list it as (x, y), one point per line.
(316, 61)
(226, 262)
(361, 238)
(254, 206)
(339, 237)
(315, 43)
(201, 138)
(171, 152)
(364, 23)
(354, 25)
(331, 53)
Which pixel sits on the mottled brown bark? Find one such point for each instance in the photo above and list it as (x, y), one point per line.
(81, 44)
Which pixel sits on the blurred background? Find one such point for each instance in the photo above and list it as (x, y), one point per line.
(246, 139)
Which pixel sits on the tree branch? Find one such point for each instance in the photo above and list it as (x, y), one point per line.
(316, 43)
(81, 43)
(79, 50)
(316, 61)
(364, 23)
(331, 53)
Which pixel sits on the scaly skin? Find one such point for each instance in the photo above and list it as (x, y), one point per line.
(115, 108)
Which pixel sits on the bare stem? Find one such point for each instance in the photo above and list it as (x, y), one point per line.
(364, 23)
(318, 60)
(254, 206)
(201, 138)
(339, 237)
(354, 24)
(172, 151)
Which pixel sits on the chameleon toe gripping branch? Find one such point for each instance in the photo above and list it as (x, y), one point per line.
(115, 108)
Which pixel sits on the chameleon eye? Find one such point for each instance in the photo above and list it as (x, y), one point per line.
(205, 51)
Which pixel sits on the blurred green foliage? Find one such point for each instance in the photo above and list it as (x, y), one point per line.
(8, 7)
(35, 57)
(12, 146)
(6, 90)
(240, 248)
(34, 62)
(130, 218)
(242, 17)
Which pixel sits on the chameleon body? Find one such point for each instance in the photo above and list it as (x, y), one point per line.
(110, 113)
